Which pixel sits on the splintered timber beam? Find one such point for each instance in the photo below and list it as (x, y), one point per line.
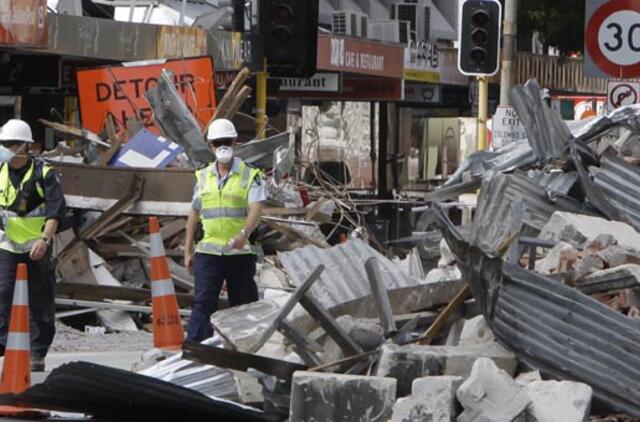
(288, 307)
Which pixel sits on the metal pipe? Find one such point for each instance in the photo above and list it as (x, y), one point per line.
(183, 11)
(510, 31)
(483, 106)
(132, 8)
(261, 102)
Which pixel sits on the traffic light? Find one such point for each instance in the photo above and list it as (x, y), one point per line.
(288, 32)
(479, 37)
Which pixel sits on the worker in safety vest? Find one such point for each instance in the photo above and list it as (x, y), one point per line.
(228, 199)
(31, 206)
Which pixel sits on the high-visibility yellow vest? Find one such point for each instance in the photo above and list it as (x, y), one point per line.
(22, 226)
(224, 211)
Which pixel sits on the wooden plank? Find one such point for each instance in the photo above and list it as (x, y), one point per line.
(381, 297)
(442, 319)
(95, 292)
(134, 193)
(288, 306)
(115, 142)
(329, 324)
(295, 235)
(239, 361)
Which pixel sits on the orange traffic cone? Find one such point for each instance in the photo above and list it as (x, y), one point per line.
(167, 326)
(16, 372)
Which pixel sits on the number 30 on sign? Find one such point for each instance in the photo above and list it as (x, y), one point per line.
(613, 38)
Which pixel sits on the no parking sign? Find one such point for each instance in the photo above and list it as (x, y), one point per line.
(612, 38)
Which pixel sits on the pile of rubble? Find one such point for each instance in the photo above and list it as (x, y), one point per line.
(530, 315)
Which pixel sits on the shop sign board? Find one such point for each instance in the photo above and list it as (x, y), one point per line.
(119, 91)
(612, 38)
(230, 50)
(507, 127)
(23, 23)
(320, 82)
(372, 89)
(621, 93)
(422, 62)
(351, 55)
(181, 41)
(422, 93)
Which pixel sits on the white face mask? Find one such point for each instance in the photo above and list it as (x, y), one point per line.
(224, 154)
(6, 154)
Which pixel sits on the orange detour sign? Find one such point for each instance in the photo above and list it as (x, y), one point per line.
(16, 370)
(167, 325)
(120, 91)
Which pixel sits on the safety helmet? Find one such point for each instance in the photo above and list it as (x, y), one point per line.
(221, 129)
(16, 130)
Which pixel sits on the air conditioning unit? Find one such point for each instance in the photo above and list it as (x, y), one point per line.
(349, 23)
(393, 31)
(419, 18)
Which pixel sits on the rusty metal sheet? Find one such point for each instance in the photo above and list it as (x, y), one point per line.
(23, 23)
(180, 41)
(105, 39)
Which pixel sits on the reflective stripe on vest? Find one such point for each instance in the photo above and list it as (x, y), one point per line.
(21, 233)
(224, 211)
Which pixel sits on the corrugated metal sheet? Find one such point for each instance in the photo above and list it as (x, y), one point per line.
(591, 130)
(496, 204)
(620, 184)
(344, 278)
(547, 134)
(568, 335)
(117, 395)
(554, 328)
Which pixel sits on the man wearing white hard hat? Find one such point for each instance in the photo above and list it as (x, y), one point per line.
(228, 199)
(31, 206)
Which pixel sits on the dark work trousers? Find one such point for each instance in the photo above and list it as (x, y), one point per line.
(42, 308)
(210, 271)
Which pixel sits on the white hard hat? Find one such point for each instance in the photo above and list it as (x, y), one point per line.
(221, 129)
(16, 130)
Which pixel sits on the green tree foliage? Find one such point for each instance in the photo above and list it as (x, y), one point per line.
(559, 22)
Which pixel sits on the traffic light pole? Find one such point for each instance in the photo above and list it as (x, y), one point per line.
(261, 102)
(483, 111)
(510, 30)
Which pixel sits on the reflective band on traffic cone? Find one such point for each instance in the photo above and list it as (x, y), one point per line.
(16, 371)
(167, 325)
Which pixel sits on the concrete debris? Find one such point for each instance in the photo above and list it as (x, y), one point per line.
(617, 255)
(580, 230)
(587, 265)
(406, 363)
(553, 401)
(243, 326)
(368, 334)
(443, 274)
(447, 258)
(560, 258)
(336, 397)
(601, 242)
(528, 377)
(432, 399)
(476, 331)
(490, 394)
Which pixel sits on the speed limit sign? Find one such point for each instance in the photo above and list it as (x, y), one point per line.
(613, 38)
